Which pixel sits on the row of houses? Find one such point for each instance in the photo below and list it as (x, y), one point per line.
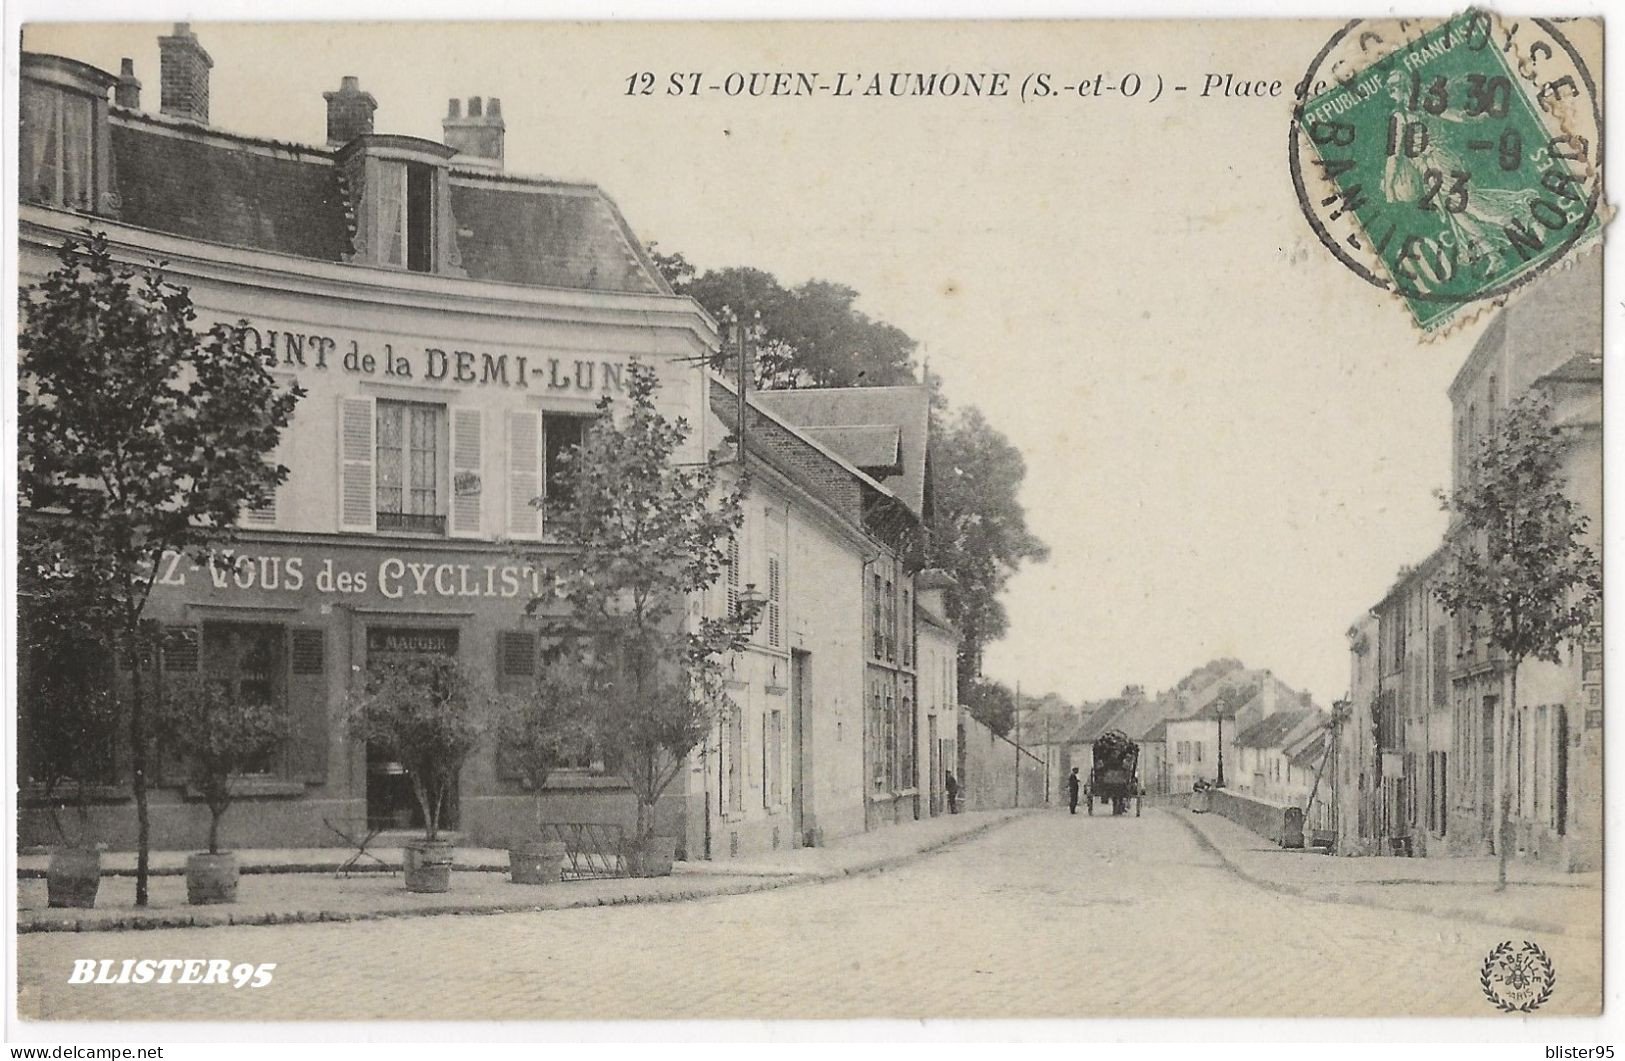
(1223, 724)
(453, 326)
(1433, 741)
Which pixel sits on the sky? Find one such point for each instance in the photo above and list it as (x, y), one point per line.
(1232, 442)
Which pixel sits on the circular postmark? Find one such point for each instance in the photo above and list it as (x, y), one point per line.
(1448, 160)
(1517, 978)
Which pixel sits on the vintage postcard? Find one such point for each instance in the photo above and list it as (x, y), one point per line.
(566, 520)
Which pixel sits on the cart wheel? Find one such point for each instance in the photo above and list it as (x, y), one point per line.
(1091, 805)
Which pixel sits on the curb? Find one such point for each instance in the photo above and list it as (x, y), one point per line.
(1523, 924)
(148, 922)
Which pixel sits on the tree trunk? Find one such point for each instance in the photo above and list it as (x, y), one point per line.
(1503, 842)
(138, 767)
(214, 829)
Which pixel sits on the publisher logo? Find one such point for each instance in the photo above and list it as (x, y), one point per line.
(1517, 978)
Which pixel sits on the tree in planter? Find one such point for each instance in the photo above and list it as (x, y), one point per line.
(136, 437)
(645, 533)
(428, 715)
(1517, 561)
(218, 736)
(535, 727)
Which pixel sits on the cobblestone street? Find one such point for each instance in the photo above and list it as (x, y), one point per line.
(1050, 915)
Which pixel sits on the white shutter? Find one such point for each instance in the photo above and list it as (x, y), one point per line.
(524, 473)
(358, 495)
(775, 631)
(467, 472)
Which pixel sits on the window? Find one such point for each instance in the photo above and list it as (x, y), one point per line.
(773, 759)
(561, 433)
(412, 446)
(733, 755)
(57, 147)
(908, 629)
(406, 215)
(879, 747)
(905, 746)
(879, 618)
(250, 660)
(890, 620)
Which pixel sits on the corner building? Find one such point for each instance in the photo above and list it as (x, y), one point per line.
(453, 326)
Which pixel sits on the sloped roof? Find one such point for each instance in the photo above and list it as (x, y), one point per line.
(908, 409)
(1308, 751)
(1271, 731)
(1159, 732)
(215, 186)
(872, 447)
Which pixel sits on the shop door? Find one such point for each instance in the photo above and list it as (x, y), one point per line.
(799, 746)
(392, 802)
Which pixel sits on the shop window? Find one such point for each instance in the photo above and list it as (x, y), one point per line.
(57, 147)
(411, 457)
(250, 660)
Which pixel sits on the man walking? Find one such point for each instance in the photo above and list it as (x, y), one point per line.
(953, 793)
(1072, 783)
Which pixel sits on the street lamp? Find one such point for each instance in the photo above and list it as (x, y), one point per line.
(751, 605)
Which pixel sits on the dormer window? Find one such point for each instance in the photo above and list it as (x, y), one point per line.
(406, 214)
(62, 149)
(397, 185)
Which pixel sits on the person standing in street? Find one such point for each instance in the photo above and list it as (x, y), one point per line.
(953, 793)
(1072, 784)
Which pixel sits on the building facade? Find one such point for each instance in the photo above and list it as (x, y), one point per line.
(454, 327)
(1433, 742)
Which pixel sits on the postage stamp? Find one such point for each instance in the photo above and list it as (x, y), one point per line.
(1449, 161)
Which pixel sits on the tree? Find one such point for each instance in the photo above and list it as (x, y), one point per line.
(1517, 559)
(645, 533)
(136, 436)
(991, 703)
(979, 529)
(72, 714)
(813, 335)
(426, 714)
(218, 736)
(536, 726)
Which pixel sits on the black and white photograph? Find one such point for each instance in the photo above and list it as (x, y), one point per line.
(549, 520)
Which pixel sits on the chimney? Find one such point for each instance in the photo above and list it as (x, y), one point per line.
(478, 135)
(183, 75)
(349, 111)
(127, 93)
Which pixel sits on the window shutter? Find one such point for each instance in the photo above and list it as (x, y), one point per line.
(734, 575)
(775, 632)
(524, 473)
(261, 515)
(358, 495)
(467, 471)
(309, 725)
(180, 647)
(516, 671)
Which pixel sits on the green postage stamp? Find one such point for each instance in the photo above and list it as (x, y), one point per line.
(1449, 161)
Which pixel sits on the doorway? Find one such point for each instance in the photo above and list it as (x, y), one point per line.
(800, 746)
(392, 802)
(934, 749)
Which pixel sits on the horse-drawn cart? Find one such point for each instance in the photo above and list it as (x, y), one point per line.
(1113, 778)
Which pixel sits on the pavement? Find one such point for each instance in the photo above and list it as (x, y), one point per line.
(293, 886)
(1537, 898)
(1048, 915)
